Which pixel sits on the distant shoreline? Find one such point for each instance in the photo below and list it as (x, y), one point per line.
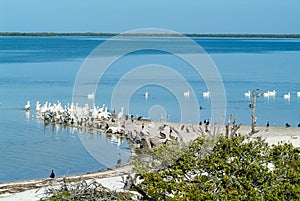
(50, 34)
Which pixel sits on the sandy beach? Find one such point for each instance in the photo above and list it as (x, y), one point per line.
(112, 178)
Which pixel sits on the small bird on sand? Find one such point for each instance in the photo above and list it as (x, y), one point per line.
(287, 125)
(162, 135)
(268, 124)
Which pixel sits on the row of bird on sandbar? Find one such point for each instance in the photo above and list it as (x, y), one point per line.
(75, 115)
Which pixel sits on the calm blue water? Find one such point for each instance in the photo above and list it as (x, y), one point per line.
(45, 69)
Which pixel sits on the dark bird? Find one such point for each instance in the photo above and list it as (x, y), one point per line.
(52, 175)
(200, 123)
(119, 161)
(131, 117)
(268, 124)
(162, 135)
(207, 122)
(299, 125)
(287, 125)
(172, 137)
(162, 127)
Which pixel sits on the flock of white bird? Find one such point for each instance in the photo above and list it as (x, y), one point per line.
(267, 94)
(205, 94)
(273, 93)
(86, 115)
(103, 111)
(186, 94)
(73, 114)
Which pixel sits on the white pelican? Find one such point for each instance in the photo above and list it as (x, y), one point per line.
(287, 96)
(102, 108)
(105, 114)
(267, 94)
(247, 94)
(44, 108)
(206, 94)
(121, 113)
(298, 94)
(27, 106)
(186, 93)
(38, 106)
(91, 96)
(146, 94)
(272, 93)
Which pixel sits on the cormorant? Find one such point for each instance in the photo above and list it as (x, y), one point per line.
(52, 175)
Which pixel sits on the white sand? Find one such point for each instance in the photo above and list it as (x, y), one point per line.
(112, 179)
(274, 135)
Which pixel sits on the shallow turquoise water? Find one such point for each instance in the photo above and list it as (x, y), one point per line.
(45, 69)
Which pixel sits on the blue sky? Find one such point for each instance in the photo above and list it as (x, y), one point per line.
(191, 16)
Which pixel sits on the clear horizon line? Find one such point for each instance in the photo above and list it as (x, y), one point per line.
(272, 35)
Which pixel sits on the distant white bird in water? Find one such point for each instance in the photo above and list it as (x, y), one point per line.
(187, 94)
(206, 94)
(91, 96)
(247, 94)
(267, 94)
(27, 106)
(287, 96)
(298, 94)
(272, 93)
(146, 95)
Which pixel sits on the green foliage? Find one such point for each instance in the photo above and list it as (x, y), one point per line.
(63, 195)
(158, 158)
(226, 168)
